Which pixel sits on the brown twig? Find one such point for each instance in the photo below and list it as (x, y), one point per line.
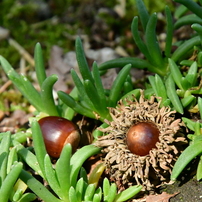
(22, 51)
(5, 86)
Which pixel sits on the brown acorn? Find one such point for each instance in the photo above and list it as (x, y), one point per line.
(142, 137)
(57, 132)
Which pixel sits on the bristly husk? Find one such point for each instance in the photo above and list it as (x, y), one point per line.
(126, 168)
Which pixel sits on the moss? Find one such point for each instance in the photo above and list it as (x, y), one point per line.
(29, 25)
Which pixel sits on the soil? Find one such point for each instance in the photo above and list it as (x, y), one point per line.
(187, 187)
(191, 191)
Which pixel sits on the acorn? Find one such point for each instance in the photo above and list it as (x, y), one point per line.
(57, 132)
(142, 137)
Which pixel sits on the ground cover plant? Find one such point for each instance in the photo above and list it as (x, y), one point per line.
(144, 137)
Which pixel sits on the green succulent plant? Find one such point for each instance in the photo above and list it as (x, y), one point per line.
(11, 188)
(193, 150)
(176, 80)
(87, 98)
(67, 179)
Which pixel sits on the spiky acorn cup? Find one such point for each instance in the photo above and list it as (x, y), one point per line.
(141, 144)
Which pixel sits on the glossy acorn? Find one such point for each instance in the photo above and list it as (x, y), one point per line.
(142, 137)
(57, 132)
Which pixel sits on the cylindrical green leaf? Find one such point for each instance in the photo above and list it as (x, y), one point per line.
(143, 13)
(199, 58)
(51, 176)
(9, 182)
(47, 95)
(4, 152)
(187, 100)
(187, 20)
(152, 43)
(31, 160)
(199, 170)
(192, 74)
(190, 124)
(28, 90)
(184, 49)
(160, 87)
(90, 191)
(79, 158)
(169, 32)
(128, 193)
(28, 197)
(69, 101)
(192, 6)
(17, 195)
(175, 72)
(185, 83)
(12, 157)
(200, 106)
(188, 154)
(135, 63)
(38, 188)
(197, 130)
(118, 85)
(21, 136)
(83, 174)
(63, 170)
(39, 64)
(139, 42)
(5, 142)
(106, 187)
(92, 93)
(96, 198)
(127, 87)
(97, 133)
(81, 90)
(72, 195)
(112, 193)
(98, 195)
(39, 146)
(80, 189)
(98, 85)
(82, 62)
(22, 84)
(131, 95)
(171, 92)
(180, 11)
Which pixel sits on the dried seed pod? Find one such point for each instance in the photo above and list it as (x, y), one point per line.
(149, 168)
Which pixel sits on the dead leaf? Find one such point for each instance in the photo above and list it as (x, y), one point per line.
(60, 65)
(164, 197)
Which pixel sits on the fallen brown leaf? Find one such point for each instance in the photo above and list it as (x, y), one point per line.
(164, 197)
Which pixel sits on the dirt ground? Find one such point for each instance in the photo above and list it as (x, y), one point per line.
(191, 191)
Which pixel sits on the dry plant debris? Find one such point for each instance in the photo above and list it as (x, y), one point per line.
(163, 197)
